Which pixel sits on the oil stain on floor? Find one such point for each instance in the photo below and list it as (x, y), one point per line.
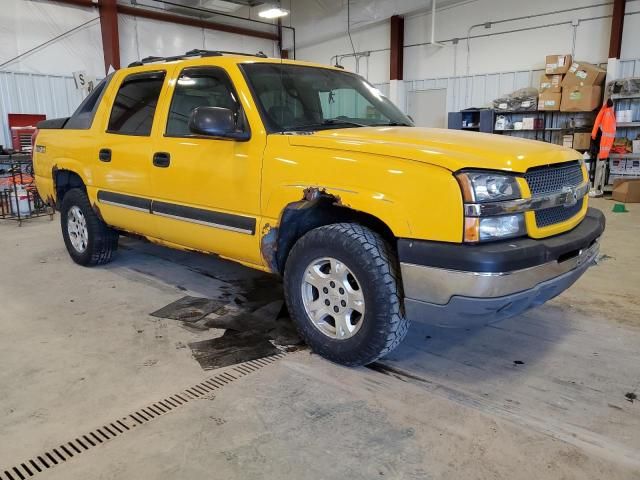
(252, 328)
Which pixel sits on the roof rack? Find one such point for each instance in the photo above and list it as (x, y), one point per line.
(191, 54)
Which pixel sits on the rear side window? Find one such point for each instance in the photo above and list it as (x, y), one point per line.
(135, 104)
(83, 117)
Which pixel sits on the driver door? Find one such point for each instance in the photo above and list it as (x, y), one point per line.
(207, 190)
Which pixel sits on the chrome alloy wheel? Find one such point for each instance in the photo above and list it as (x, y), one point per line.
(333, 298)
(77, 229)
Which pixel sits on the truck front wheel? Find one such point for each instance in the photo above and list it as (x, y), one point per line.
(88, 239)
(343, 292)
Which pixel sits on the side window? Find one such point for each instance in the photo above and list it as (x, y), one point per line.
(135, 104)
(198, 87)
(83, 117)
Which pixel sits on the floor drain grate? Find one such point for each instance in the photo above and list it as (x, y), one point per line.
(111, 430)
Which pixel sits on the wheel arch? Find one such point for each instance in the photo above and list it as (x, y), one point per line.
(63, 181)
(316, 209)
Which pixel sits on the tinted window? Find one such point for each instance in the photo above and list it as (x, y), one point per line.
(135, 104)
(293, 97)
(197, 87)
(82, 118)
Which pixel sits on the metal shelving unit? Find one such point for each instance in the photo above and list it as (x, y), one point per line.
(19, 198)
(629, 100)
(550, 118)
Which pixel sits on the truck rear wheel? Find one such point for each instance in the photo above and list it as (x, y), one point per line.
(88, 239)
(343, 292)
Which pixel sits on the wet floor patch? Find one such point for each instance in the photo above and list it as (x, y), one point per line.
(190, 309)
(254, 324)
(231, 348)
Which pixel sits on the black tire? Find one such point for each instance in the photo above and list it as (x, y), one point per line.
(102, 240)
(372, 261)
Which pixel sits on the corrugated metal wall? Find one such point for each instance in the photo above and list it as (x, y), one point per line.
(54, 96)
(479, 90)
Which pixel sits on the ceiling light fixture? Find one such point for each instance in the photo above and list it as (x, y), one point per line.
(272, 12)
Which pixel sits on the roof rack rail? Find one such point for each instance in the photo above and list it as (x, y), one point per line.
(191, 54)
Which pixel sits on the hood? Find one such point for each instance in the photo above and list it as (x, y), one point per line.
(450, 149)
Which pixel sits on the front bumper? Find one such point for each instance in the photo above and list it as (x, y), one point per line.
(464, 285)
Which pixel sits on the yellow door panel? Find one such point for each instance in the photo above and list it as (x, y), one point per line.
(208, 195)
(123, 154)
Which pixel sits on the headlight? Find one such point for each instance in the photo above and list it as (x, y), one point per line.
(483, 187)
(478, 187)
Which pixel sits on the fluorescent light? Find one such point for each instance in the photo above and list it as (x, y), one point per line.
(273, 12)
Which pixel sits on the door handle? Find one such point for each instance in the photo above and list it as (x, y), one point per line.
(161, 159)
(105, 155)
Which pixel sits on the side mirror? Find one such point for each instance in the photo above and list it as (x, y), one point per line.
(215, 122)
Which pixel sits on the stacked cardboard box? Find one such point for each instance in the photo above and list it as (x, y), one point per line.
(582, 87)
(621, 169)
(551, 83)
(570, 86)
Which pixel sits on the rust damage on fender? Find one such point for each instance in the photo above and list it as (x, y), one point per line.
(297, 218)
(96, 210)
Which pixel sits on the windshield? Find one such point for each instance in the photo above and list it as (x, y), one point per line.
(298, 98)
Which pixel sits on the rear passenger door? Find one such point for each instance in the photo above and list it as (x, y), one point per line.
(123, 166)
(207, 190)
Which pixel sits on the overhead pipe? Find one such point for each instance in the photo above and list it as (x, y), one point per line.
(228, 15)
(193, 22)
(433, 25)
(51, 41)
(184, 20)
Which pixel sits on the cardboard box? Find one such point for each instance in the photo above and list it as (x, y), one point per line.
(581, 141)
(615, 179)
(626, 191)
(551, 83)
(549, 101)
(617, 166)
(632, 167)
(580, 99)
(567, 141)
(528, 123)
(584, 74)
(555, 64)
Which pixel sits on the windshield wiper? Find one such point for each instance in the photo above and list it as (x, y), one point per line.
(331, 122)
(390, 124)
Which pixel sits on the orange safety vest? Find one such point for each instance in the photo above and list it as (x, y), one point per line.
(606, 121)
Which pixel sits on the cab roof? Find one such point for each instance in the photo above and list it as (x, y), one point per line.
(218, 57)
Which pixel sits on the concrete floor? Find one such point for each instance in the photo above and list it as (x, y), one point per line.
(79, 349)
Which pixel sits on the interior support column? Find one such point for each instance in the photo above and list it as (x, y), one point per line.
(617, 24)
(110, 39)
(396, 84)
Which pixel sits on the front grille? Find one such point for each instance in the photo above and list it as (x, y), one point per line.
(553, 179)
(550, 216)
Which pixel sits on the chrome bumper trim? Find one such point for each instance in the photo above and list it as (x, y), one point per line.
(568, 197)
(438, 285)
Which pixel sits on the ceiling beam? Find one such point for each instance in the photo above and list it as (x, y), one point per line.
(79, 3)
(397, 47)
(617, 24)
(193, 22)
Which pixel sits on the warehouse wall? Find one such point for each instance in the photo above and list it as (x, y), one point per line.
(24, 24)
(41, 82)
(141, 37)
(498, 53)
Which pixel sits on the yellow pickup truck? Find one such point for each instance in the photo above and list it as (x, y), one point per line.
(309, 172)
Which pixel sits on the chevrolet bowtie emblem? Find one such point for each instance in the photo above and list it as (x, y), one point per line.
(571, 196)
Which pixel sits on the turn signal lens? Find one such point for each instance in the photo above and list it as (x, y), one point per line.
(471, 229)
